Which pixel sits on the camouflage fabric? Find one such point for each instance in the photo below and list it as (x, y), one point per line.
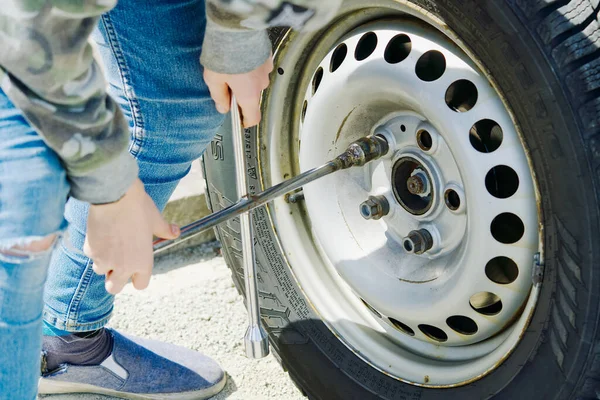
(236, 40)
(48, 71)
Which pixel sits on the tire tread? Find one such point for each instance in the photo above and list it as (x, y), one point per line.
(569, 31)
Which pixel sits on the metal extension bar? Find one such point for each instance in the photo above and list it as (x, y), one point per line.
(358, 154)
(256, 339)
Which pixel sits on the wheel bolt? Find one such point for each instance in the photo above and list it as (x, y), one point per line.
(375, 207)
(418, 242)
(417, 184)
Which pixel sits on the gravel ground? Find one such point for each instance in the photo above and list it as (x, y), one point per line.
(192, 302)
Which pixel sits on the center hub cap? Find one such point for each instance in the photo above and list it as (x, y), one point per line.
(412, 186)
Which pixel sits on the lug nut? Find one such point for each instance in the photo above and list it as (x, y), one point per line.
(418, 242)
(375, 207)
(417, 184)
(295, 197)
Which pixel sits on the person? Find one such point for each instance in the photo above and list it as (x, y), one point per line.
(116, 154)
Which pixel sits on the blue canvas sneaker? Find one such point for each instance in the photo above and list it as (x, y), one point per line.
(140, 369)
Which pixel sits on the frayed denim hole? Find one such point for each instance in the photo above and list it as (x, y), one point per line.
(14, 256)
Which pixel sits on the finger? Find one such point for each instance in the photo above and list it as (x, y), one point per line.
(114, 287)
(161, 228)
(141, 268)
(250, 106)
(115, 283)
(269, 64)
(87, 249)
(219, 91)
(265, 83)
(141, 280)
(100, 268)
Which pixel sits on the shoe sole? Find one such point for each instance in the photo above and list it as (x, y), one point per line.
(47, 386)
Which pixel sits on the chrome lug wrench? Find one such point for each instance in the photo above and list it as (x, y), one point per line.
(358, 153)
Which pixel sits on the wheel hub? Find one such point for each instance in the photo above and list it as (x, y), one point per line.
(428, 291)
(412, 186)
(436, 239)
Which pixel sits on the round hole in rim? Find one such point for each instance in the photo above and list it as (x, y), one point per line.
(452, 199)
(507, 228)
(317, 80)
(431, 66)
(403, 128)
(424, 140)
(414, 204)
(502, 270)
(304, 107)
(374, 311)
(402, 327)
(461, 95)
(398, 49)
(462, 324)
(408, 246)
(280, 71)
(502, 181)
(486, 303)
(433, 332)
(338, 57)
(486, 136)
(366, 46)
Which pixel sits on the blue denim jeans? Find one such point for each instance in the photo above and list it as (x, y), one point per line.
(151, 54)
(33, 191)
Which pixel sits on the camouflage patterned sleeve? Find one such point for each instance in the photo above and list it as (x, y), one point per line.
(236, 40)
(48, 71)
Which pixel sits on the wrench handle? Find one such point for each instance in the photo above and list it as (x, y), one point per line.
(256, 340)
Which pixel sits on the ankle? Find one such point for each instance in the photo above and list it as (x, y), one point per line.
(82, 348)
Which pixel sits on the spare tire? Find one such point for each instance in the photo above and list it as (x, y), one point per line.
(495, 106)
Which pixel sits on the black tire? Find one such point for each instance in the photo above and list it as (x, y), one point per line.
(545, 58)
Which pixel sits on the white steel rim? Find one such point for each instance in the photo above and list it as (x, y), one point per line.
(357, 276)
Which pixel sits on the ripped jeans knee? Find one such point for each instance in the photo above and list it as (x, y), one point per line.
(23, 272)
(28, 249)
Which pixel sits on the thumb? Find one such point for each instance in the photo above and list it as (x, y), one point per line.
(162, 229)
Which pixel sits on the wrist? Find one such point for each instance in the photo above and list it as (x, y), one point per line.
(135, 187)
(234, 52)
